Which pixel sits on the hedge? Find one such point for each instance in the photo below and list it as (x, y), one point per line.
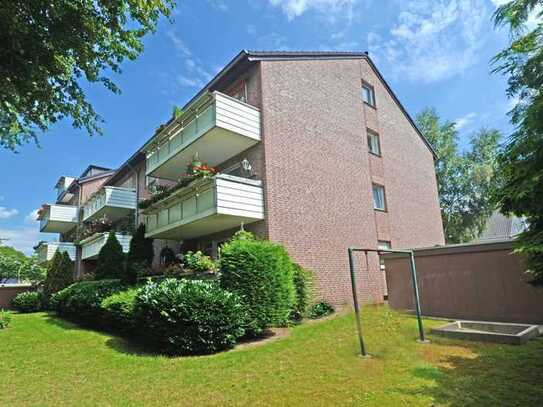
(261, 273)
(28, 301)
(118, 309)
(303, 281)
(82, 301)
(189, 317)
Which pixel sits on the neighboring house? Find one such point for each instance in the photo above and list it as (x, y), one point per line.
(314, 151)
(501, 227)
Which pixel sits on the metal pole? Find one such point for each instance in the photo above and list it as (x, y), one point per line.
(416, 294)
(355, 301)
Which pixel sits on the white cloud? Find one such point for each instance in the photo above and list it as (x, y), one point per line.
(195, 73)
(434, 40)
(23, 239)
(218, 4)
(465, 120)
(6, 213)
(295, 8)
(31, 218)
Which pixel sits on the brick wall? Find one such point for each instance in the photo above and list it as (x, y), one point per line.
(318, 173)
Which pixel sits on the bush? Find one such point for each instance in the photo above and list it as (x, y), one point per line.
(302, 280)
(29, 301)
(5, 319)
(110, 262)
(259, 272)
(60, 274)
(320, 309)
(139, 257)
(118, 309)
(82, 301)
(198, 262)
(189, 317)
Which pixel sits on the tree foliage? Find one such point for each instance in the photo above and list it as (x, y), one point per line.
(110, 262)
(49, 47)
(465, 179)
(15, 265)
(521, 160)
(140, 255)
(60, 274)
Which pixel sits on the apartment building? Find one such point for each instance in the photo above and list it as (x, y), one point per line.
(313, 150)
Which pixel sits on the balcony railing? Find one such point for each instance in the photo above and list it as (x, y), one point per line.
(58, 218)
(114, 202)
(90, 247)
(218, 127)
(46, 250)
(206, 206)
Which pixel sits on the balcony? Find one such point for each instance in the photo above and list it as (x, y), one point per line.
(46, 250)
(112, 202)
(217, 127)
(206, 206)
(90, 247)
(58, 218)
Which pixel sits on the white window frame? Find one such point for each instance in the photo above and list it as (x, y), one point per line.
(371, 136)
(370, 90)
(381, 188)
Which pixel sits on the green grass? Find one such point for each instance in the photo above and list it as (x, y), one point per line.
(47, 361)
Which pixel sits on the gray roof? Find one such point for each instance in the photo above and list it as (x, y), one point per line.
(501, 227)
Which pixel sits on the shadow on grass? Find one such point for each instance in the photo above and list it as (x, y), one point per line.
(484, 374)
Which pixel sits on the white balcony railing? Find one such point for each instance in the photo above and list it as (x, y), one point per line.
(58, 218)
(206, 206)
(113, 202)
(90, 247)
(217, 127)
(46, 250)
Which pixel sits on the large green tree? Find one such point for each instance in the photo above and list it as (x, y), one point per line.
(15, 265)
(465, 178)
(48, 47)
(521, 161)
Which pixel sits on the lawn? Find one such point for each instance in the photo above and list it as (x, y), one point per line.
(47, 361)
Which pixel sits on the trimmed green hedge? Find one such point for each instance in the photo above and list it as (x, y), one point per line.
(118, 309)
(29, 301)
(189, 317)
(303, 286)
(82, 301)
(261, 273)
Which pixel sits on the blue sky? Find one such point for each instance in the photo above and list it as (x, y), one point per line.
(432, 52)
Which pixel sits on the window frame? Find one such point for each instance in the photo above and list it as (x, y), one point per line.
(370, 133)
(384, 208)
(371, 89)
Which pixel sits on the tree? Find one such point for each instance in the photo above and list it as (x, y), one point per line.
(140, 255)
(60, 274)
(521, 160)
(48, 47)
(110, 262)
(15, 265)
(464, 179)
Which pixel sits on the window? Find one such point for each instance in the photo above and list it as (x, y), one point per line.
(368, 94)
(379, 197)
(374, 146)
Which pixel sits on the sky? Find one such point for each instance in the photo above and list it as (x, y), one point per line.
(433, 53)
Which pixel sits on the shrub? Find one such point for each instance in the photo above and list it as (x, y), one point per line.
(189, 317)
(139, 257)
(118, 309)
(82, 301)
(110, 262)
(320, 309)
(29, 301)
(302, 280)
(259, 272)
(198, 262)
(5, 319)
(60, 274)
